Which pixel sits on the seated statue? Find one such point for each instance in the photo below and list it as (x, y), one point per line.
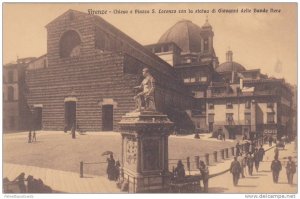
(146, 96)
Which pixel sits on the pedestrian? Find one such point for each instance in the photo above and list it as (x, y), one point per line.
(235, 169)
(110, 167)
(241, 160)
(256, 160)
(179, 171)
(237, 149)
(252, 147)
(219, 136)
(20, 179)
(223, 134)
(270, 140)
(244, 166)
(205, 176)
(247, 146)
(261, 153)
(117, 171)
(276, 168)
(290, 170)
(276, 152)
(188, 165)
(250, 163)
(73, 129)
(29, 136)
(30, 184)
(34, 136)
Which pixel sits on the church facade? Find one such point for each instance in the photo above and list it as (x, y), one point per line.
(90, 69)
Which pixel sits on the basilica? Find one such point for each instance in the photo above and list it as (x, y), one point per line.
(90, 69)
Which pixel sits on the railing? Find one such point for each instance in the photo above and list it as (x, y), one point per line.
(81, 166)
(240, 94)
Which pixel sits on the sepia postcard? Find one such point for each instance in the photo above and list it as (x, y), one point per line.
(123, 98)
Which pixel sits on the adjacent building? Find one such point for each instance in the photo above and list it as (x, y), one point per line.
(15, 110)
(248, 103)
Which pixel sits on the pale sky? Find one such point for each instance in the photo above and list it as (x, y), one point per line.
(258, 40)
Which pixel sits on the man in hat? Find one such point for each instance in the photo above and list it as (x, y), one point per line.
(276, 168)
(235, 169)
(290, 170)
(110, 167)
(179, 170)
(205, 175)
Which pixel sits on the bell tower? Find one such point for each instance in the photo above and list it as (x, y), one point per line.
(207, 38)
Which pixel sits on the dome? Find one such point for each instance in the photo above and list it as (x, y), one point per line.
(230, 66)
(185, 34)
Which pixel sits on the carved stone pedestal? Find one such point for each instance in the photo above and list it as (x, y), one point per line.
(145, 151)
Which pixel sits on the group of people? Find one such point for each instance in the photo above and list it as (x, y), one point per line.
(33, 185)
(113, 168)
(221, 136)
(276, 167)
(248, 158)
(179, 173)
(251, 157)
(31, 136)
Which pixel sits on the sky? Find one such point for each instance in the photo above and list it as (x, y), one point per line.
(266, 41)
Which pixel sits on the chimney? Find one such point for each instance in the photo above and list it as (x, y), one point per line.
(229, 56)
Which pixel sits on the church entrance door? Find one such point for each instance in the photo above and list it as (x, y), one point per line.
(107, 117)
(70, 114)
(38, 118)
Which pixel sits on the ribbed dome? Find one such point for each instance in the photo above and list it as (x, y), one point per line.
(185, 34)
(230, 66)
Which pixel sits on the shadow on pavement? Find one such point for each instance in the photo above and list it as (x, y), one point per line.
(252, 177)
(216, 189)
(246, 186)
(260, 175)
(266, 171)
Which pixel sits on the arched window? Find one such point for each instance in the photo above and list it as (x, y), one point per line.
(10, 93)
(10, 76)
(69, 44)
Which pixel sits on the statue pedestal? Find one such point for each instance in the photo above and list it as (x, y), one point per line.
(145, 151)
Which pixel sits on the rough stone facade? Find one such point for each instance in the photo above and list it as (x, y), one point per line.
(107, 66)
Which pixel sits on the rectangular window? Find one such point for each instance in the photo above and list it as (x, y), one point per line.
(247, 118)
(211, 118)
(210, 106)
(270, 118)
(186, 80)
(203, 79)
(229, 105)
(198, 94)
(10, 76)
(206, 47)
(193, 79)
(270, 104)
(248, 104)
(229, 119)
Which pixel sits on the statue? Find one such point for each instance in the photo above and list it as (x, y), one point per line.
(146, 97)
